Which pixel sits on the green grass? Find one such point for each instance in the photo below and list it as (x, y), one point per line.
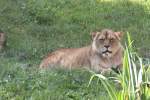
(36, 27)
(21, 82)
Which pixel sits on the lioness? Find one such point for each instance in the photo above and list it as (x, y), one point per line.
(104, 53)
(2, 40)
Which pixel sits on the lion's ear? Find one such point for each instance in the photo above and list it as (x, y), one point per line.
(119, 35)
(93, 34)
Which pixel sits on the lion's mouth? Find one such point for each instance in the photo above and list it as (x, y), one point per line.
(107, 51)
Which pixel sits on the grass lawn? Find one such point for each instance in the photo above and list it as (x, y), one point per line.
(36, 27)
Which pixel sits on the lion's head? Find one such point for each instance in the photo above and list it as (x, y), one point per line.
(106, 42)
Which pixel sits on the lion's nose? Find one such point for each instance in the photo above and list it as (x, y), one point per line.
(106, 46)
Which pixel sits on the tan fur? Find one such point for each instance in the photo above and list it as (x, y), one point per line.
(2, 40)
(94, 56)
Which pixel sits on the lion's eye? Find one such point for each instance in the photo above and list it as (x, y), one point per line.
(111, 40)
(101, 39)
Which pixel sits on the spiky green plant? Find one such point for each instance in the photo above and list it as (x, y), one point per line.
(133, 79)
